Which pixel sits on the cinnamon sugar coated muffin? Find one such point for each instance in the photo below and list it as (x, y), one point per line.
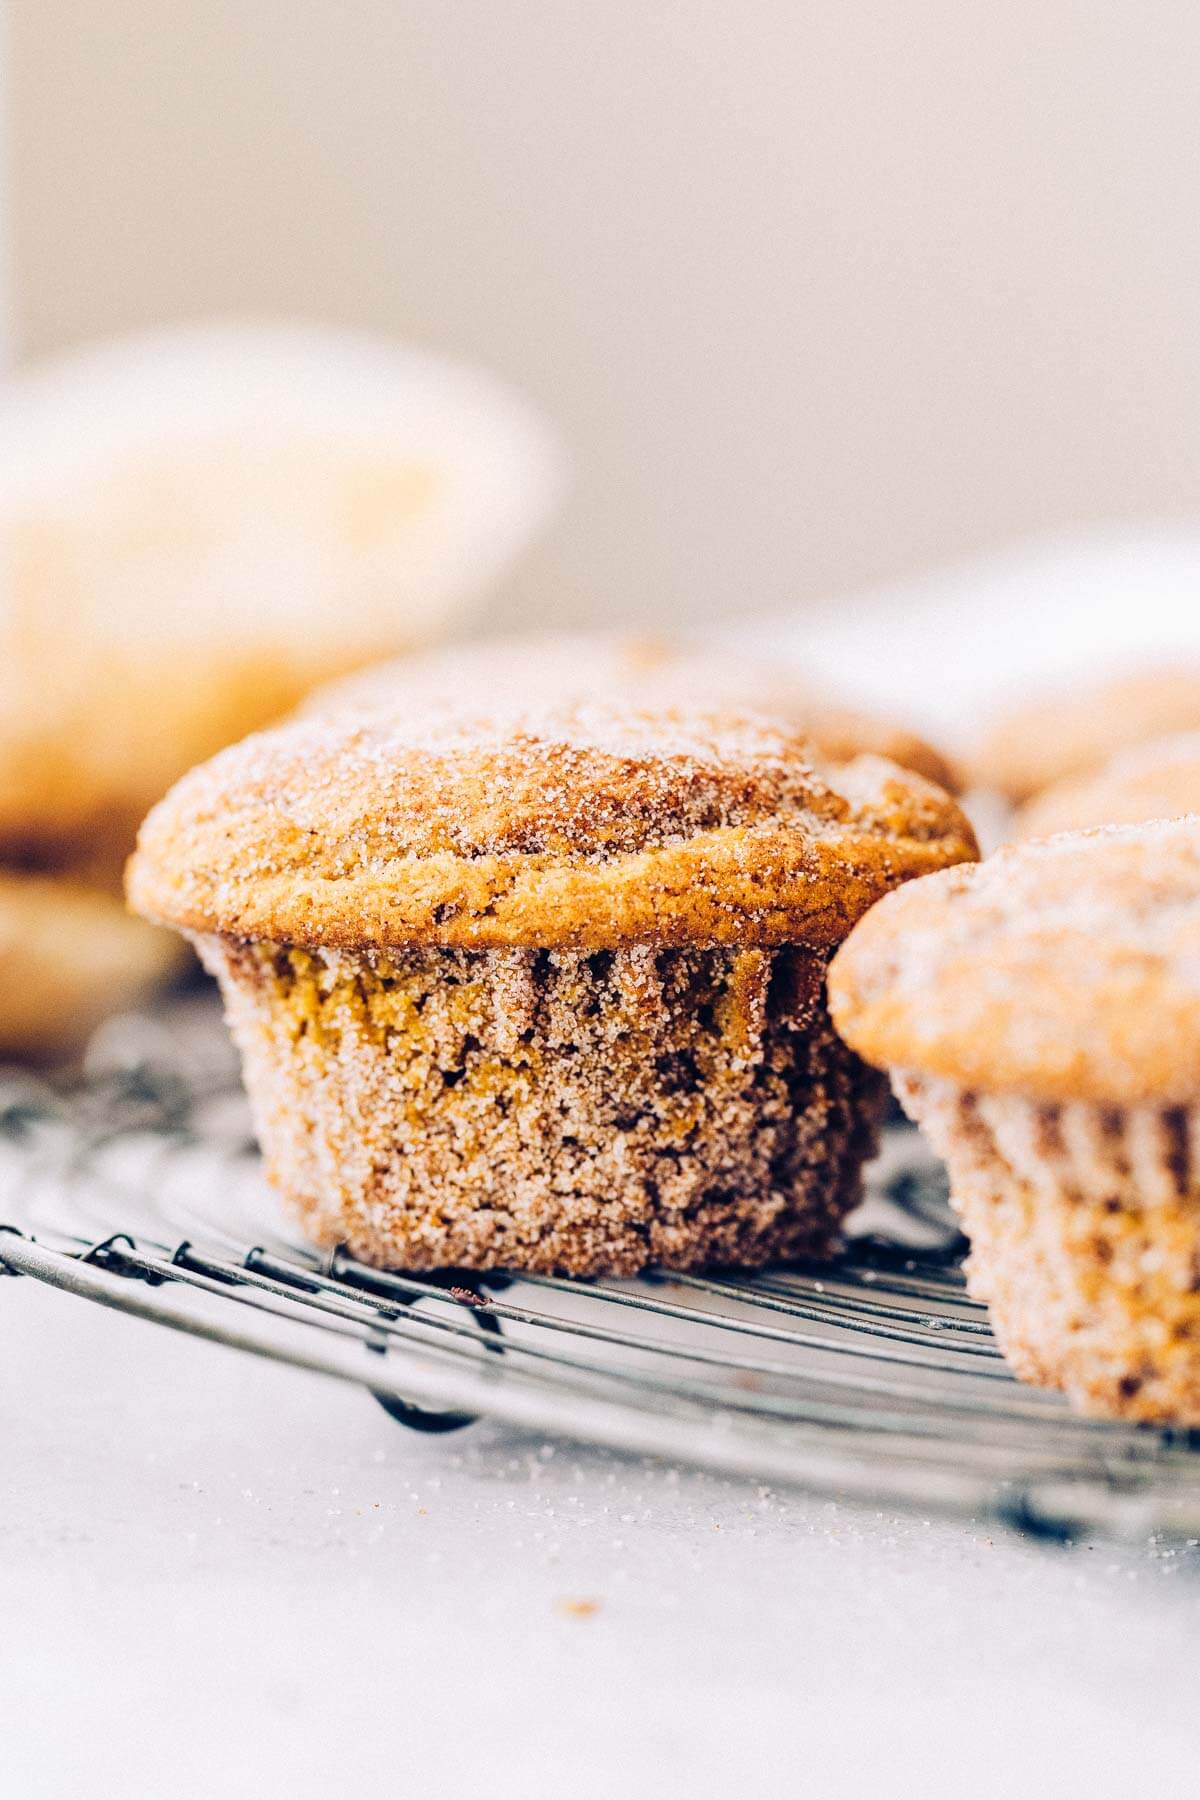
(544, 990)
(1040, 1016)
(1159, 780)
(552, 668)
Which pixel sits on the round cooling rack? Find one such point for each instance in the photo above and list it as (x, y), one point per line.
(871, 1378)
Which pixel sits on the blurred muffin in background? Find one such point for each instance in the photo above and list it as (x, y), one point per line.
(1160, 780)
(1068, 733)
(198, 525)
(644, 670)
(69, 955)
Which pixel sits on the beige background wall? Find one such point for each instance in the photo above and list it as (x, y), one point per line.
(818, 292)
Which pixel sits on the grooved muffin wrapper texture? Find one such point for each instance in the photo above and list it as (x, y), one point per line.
(549, 1110)
(1084, 1223)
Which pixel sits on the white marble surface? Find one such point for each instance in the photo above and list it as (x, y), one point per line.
(222, 1577)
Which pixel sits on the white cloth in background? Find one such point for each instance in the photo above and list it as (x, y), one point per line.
(948, 647)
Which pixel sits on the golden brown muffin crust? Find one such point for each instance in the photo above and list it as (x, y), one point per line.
(584, 825)
(1067, 969)
(562, 667)
(1160, 780)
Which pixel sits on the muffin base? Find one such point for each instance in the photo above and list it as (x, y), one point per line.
(559, 1111)
(1084, 1224)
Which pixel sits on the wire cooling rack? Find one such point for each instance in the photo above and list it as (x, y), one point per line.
(873, 1378)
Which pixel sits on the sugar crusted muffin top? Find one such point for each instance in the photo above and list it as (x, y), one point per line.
(590, 825)
(553, 668)
(1065, 969)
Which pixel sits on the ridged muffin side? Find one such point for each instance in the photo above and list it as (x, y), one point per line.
(1084, 1224)
(561, 1111)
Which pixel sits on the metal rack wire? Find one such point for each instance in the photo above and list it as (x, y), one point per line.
(875, 1377)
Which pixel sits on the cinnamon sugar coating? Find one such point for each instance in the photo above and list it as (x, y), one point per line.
(655, 672)
(1066, 734)
(584, 825)
(1067, 969)
(563, 1111)
(1159, 780)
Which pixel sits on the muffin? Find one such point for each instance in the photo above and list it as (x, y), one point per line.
(68, 956)
(560, 667)
(544, 989)
(1040, 1017)
(198, 525)
(1066, 734)
(1159, 780)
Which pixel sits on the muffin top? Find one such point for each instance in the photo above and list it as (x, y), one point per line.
(1159, 780)
(1065, 734)
(559, 667)
(586, 825)
(1067, 969)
